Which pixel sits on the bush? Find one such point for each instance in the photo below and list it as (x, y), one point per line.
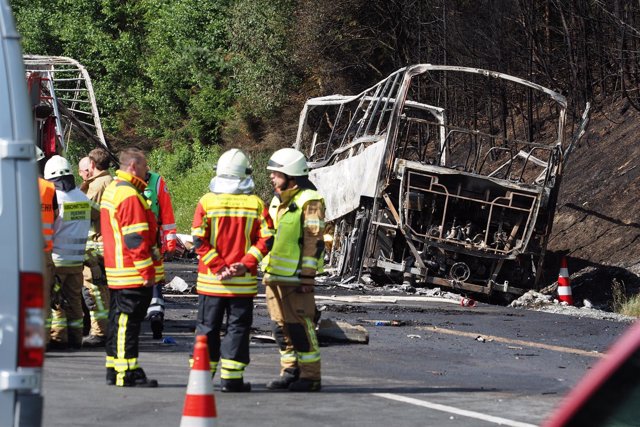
(189, 168)
(631, 307)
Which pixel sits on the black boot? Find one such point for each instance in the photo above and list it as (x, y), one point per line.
(57, 346)
(137, 378)
(282, 383)
(75, 344)
(235, 386)
(157, 325)
(111, 376)
(305, 385)
(93, 341)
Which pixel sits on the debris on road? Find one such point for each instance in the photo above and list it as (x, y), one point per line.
(540, 302)
(384, 322)
(263, 338)
(177, 284)
(339, 331)
(468, 302)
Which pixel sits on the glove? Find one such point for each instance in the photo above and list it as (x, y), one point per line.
(97, 275)
(56, 295)
(155, 254)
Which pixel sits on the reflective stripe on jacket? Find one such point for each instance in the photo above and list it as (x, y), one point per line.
(47, 192)
(230, 228)
(294, 252)
(71, 228)
(128, 231)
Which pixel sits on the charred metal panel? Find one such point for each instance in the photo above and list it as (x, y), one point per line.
(441, 175)
(355, 176)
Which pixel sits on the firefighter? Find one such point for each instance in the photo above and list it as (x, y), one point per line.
(128, 232)
(94, 171)
(70, 230)
(49, 211)
(231, 232)
(290, 269)
(159, 201)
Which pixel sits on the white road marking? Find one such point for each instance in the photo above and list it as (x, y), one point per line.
(452, 410)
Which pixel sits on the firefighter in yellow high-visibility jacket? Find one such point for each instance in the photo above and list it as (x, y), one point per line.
(128, 232)
(290, 269)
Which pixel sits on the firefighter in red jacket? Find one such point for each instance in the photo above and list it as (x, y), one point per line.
(232, 231)
(160, 204)
(130, 257)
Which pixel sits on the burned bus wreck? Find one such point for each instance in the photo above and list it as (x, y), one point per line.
(440, 175)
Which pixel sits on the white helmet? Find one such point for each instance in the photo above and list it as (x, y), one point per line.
(39, 153)
(56, 166)
(289, 162)
(233, 163)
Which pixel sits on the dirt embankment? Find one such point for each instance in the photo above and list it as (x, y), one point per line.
(596, 224)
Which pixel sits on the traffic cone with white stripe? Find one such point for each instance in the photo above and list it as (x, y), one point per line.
(200, 403)
(564, 283)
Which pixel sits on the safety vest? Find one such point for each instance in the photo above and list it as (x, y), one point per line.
(151, 193)
(71, 228)
(47, 191)
(285, 256)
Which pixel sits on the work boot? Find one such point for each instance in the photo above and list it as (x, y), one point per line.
(111, 376)
(57, 346)
(157, 325)
(93, 341)
(235, 386)
(137, 378)
(305, 385)
(284, 381)
(75, 344)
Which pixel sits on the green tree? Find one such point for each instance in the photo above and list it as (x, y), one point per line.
(185, 85)
(260, 32)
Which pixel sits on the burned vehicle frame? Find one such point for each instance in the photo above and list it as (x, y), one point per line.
(64, 104)
(440, 175)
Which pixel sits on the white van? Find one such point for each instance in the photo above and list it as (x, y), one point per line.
(21, 262)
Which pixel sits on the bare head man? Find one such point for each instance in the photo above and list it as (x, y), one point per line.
(85, 168)
(133, 161)
(100, 158)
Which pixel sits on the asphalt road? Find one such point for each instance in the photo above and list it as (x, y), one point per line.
(446, 365)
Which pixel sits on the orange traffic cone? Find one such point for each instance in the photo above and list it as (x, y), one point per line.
(199, 404)
(564, 283)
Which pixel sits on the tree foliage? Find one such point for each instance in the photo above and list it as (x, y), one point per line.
(260, 31)
(179, 70)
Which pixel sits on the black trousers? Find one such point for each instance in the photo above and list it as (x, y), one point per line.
(126, 313)
(234, 348)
